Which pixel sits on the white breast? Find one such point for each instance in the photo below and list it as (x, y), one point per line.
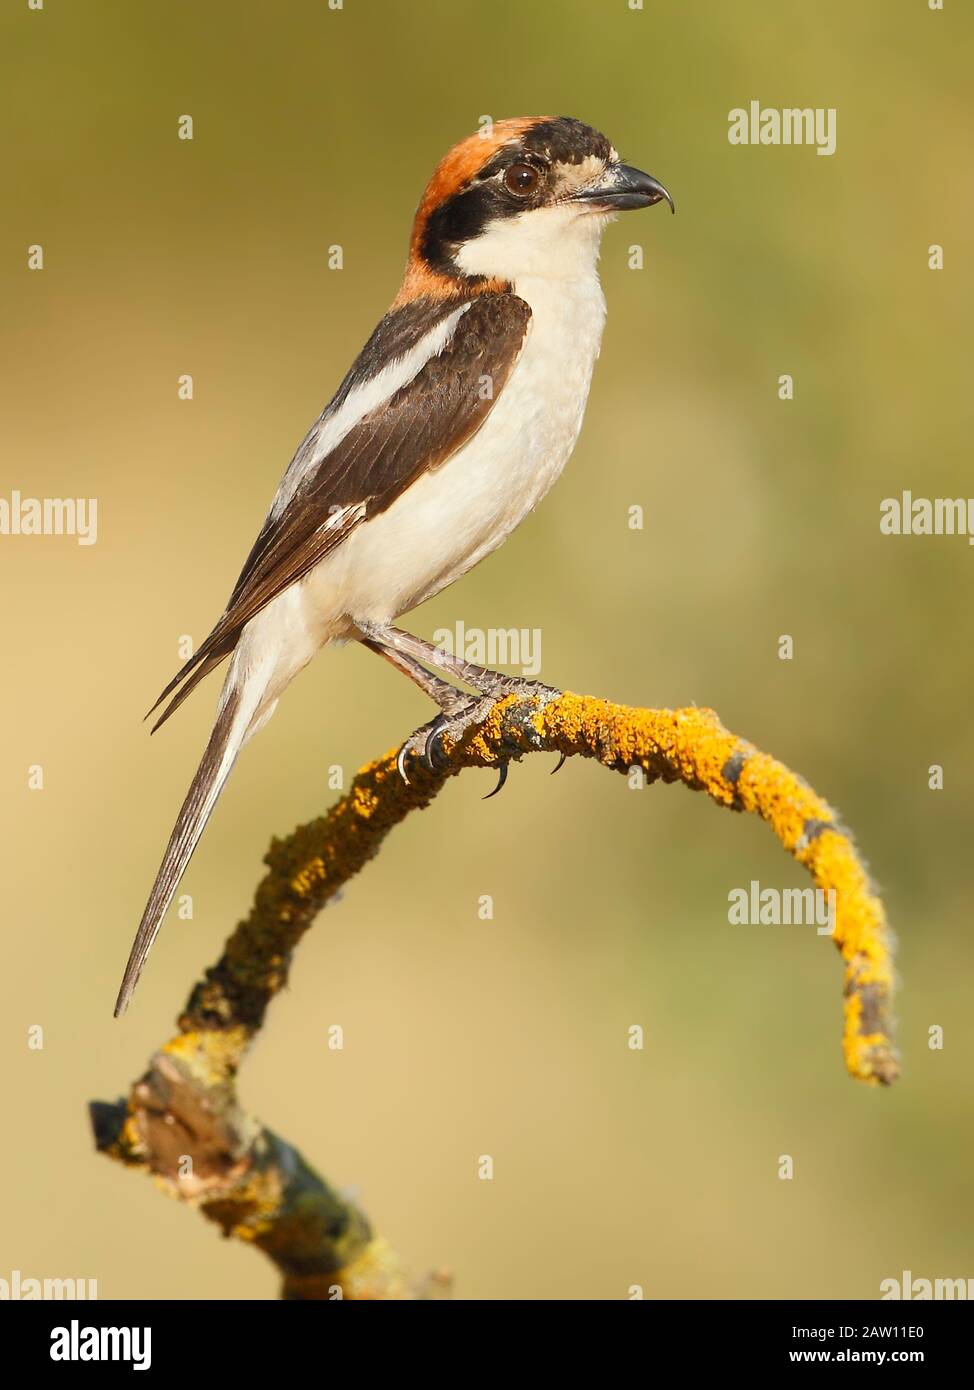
(452, 517)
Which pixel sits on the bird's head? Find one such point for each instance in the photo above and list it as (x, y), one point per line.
(524, 197)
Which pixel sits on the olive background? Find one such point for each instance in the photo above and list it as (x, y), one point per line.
(316, 127)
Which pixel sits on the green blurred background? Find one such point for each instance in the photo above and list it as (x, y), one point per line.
(464, 1037)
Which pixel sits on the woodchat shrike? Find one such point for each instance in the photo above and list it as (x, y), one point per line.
(453, 422)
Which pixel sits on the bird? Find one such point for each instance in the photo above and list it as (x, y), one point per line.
(450, 426)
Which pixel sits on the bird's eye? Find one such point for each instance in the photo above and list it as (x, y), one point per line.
(521, 179)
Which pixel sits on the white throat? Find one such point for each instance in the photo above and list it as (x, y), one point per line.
(558, 243)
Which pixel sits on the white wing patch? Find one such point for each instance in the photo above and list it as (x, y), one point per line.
(341, 516)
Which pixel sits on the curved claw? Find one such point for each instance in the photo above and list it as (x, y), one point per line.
(561, 763)
(432, 739)
(401, 764)
(501, 779)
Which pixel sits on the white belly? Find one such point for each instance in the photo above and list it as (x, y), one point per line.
(452, 517)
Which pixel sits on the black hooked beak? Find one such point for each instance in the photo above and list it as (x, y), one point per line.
(622, 188)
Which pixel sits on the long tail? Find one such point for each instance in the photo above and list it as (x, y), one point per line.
(229, 732)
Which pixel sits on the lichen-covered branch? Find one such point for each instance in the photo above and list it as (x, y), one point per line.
(182, 1121)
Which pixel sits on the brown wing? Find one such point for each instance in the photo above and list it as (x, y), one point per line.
(416, 429)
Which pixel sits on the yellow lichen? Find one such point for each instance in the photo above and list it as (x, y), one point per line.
(306, 869)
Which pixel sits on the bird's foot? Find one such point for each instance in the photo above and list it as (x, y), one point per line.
(525, 689)
(497, 686)
(427, 743)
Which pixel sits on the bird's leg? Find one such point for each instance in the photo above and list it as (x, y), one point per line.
(441, 692)
(482, 678)
(457, 718)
